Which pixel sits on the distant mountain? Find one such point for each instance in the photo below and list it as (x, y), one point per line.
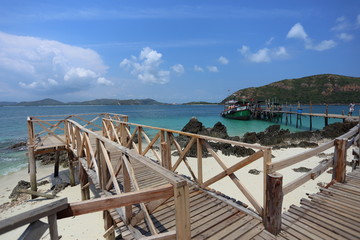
(319, 89)
(7, 103)
(44, 102)
(121, 102)
(52, 102)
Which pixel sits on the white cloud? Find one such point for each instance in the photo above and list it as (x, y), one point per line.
(79, 73)
(178, 68)
(297, 31)
(341, 24)
(345, 37)
(213, 69)
(323, 45)
(45, 64)
(223, 60)
(264, 54)
(146, 67)
(268, 42)
(280, 52)
(104, 81)
(198, 69)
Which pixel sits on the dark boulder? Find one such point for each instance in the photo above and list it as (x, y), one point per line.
(219, 131)
(250, 137)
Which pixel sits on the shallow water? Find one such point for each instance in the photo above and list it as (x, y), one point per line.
(13, 127)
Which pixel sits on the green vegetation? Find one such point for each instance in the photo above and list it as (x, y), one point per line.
(318, 89)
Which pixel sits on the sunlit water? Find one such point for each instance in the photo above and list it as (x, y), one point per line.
(13, 127)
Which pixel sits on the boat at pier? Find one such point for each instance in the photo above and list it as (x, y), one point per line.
(239, 110)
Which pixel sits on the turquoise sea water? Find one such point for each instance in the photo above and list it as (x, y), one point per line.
(13, 128)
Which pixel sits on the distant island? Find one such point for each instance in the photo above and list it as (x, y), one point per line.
(317, 89)
(52, 102)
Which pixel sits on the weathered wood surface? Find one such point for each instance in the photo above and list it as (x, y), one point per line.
(333, 213)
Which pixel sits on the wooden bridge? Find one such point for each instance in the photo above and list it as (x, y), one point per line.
(143, 197)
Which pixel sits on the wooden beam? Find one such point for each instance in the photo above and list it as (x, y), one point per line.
(116, 201)
(339, 172)
(273, 206)
(30, 216)
(161, 236)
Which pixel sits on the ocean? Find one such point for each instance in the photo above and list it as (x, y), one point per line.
(13, 127)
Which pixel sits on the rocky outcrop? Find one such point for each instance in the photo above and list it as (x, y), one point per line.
(219, 131)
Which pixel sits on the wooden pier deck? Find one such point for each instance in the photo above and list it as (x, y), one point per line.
(167, 205)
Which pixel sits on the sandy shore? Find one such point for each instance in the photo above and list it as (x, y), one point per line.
(88, 226)
(91, 226)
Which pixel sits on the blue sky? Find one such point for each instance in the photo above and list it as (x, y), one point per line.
(171, 51)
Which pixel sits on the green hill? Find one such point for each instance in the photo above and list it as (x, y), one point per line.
(317, 89)
(44, 102)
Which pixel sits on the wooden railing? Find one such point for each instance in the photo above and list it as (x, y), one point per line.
(338, 163)
(145, 145)
(92, 151)
(165, 140)
(42, 127)
(37, 228)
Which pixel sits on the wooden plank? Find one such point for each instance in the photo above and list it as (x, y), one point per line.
(218, 226)
(34, 231)
(276, 166)
(332, 213)
(19, 220)
(247, 231)
(162, 236)
(338, 219)
(313, 232)
(328, 223)
(116, 201)
(302, 231)
(310, 226)
(230, 228)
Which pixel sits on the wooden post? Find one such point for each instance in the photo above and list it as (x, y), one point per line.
(199, 161)
(326, 117)
(127, 188)
(84, 180)
(108, 224)
(32, 169)
(182, 212)
(53, 229)
(273, 205)
(71, 168)
(57, 162)
(339, 164)
(165, 150)
(140, 129)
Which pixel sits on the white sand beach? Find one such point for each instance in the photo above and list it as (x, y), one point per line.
(90, 226)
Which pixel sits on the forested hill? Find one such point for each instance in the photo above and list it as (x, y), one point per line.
(319, 89)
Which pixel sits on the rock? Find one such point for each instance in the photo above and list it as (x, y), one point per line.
(301, 169)
(254, 171)
(337, 129)
(250, 137)
(18, 146)
(219, 130)
(21, 185)
(194, 126)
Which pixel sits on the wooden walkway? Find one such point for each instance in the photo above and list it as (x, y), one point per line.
(211, 216)
(333, 213)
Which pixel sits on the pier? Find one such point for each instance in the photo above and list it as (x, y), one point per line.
(284, 114)
(142, 196)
